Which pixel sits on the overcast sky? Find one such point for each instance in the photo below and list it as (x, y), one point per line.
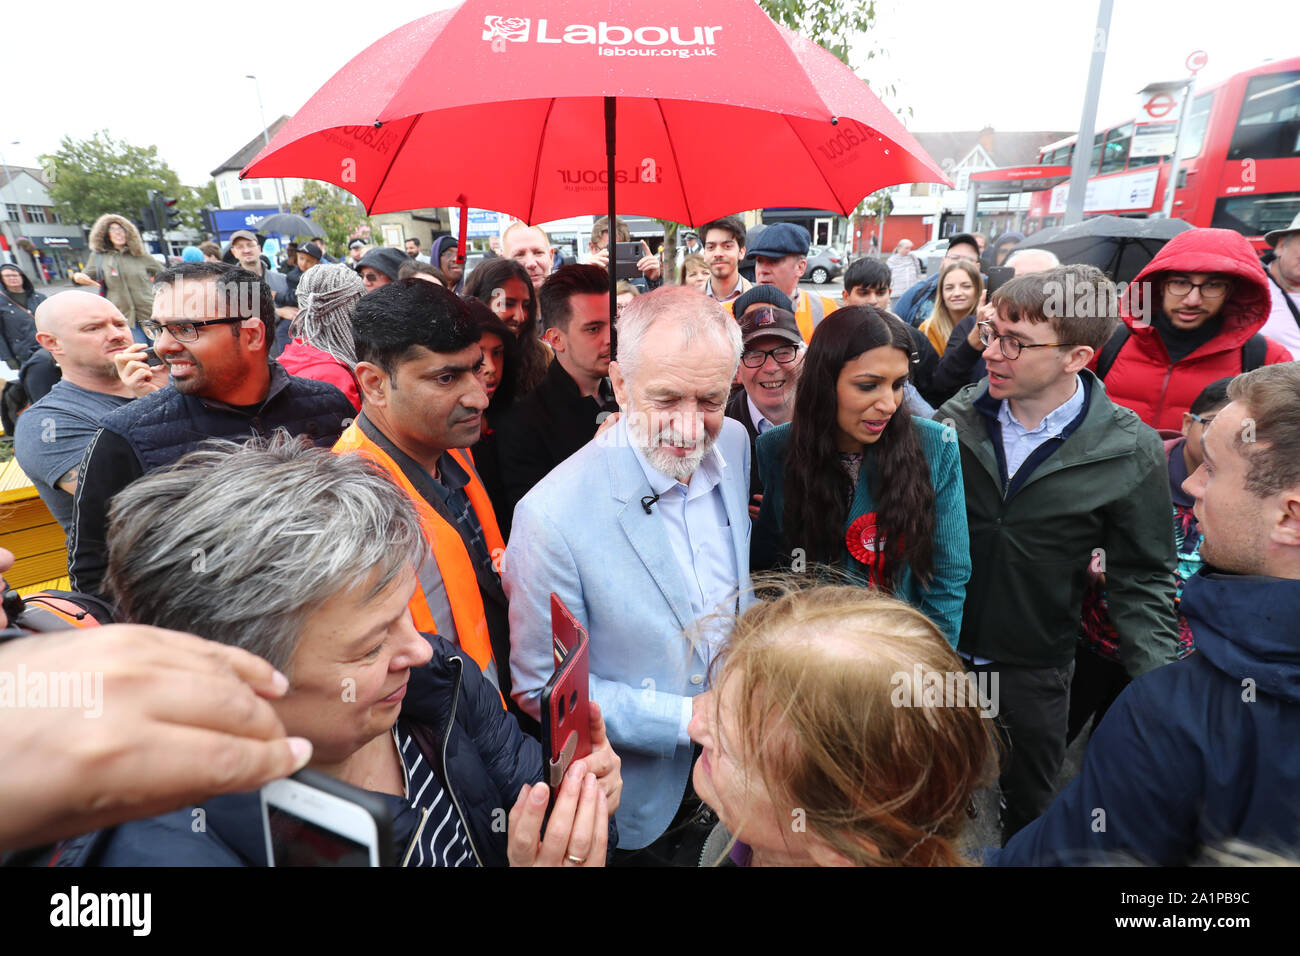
(173, 75)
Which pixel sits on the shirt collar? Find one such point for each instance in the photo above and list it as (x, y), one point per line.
(758, 418)
(735, 293)
(1055, 420)
(706, 477)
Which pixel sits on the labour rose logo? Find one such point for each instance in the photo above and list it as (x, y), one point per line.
(505, 28)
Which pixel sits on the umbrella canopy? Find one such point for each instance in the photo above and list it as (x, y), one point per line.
(289, 224)
(1118, 246)
(718, 109)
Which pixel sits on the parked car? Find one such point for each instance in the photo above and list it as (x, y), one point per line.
(824, 264)
(931, 253)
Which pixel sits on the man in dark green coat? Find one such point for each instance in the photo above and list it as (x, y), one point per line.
(1058, 479)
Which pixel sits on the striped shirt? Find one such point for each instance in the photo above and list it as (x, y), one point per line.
(426, 824)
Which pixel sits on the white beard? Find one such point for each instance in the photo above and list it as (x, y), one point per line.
(659, 457)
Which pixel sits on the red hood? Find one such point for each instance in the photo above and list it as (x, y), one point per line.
(1208, 250)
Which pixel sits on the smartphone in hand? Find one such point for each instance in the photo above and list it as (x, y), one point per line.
(312, 819)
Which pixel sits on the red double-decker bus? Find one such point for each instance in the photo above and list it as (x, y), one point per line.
(1240, 166)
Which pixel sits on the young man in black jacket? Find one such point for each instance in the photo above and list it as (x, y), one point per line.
(213, 325)
(561, 414)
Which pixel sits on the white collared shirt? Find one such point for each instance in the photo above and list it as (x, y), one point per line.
(761, 424)
(694, 518)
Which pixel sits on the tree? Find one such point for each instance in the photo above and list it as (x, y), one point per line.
(334, 212)
(829, 25)
(99, 175)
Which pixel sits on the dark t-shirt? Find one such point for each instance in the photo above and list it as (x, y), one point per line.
(52, 435)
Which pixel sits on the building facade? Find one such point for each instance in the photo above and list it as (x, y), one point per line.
(31, 233)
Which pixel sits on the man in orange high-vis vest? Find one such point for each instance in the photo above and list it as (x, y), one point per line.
(780, 258)
(422, 399)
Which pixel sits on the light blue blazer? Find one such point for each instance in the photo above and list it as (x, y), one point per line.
(583, 533)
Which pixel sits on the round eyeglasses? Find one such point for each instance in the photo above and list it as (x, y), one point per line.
(1012, 346)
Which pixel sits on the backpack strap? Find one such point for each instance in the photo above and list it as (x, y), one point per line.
(1254, 352)
(1110, 351)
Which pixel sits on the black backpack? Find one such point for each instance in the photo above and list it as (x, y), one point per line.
(1252, 353)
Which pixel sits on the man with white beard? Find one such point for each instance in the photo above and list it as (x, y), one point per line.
(643, 532)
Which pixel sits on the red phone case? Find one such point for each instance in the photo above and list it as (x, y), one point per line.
(566, 722)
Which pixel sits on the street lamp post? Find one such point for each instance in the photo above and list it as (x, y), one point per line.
(266, 137)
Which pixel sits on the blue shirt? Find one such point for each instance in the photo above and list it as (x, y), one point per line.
(1018, 442)
(695, 519)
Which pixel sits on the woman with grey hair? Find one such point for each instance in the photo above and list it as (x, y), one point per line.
(322, 347)
(309, 559)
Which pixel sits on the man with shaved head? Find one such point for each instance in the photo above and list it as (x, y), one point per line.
(82, 331)
(532, 248)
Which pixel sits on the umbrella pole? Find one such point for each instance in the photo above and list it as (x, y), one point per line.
(610, 115)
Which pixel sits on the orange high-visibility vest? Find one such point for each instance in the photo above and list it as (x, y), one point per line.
(453, 561)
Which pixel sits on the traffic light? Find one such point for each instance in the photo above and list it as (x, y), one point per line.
(148, 222)
(171, 212)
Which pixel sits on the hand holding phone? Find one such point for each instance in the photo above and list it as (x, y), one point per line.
(577, 832)
(140, 369)
(312, 819)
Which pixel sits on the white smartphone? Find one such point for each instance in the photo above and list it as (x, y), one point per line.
(311, 819)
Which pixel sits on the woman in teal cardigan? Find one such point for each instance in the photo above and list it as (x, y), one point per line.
(855, 481)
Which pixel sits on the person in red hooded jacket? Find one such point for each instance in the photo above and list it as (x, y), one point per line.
(1192, 316)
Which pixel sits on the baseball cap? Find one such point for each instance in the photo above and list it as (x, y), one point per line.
(313, 250)
(357, 244)
(243, 234)
(964, 238)
(770, 320)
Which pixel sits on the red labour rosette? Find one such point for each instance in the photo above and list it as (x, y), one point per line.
(861, 540)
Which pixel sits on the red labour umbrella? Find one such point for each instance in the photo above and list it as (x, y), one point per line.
(705, 109)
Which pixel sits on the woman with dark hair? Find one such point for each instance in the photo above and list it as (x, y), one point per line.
(849, 483)
(504, 287)
(500, 378)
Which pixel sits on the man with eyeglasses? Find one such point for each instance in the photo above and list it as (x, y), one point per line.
(1059, 479)
(212, 324)
(1192, 316)
(916, 304)
(770, 362)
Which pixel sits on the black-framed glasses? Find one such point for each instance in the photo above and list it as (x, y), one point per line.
(180, 331)
(1012, 346)
(1205, 421)
(783, 354)
(1210, 288)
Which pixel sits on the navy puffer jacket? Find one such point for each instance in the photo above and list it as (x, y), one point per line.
(477, 750)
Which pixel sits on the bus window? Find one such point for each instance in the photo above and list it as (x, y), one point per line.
(1269, 124)
(1256, 215)
(1198, 119)
(1096, 155)
(1115, 153)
